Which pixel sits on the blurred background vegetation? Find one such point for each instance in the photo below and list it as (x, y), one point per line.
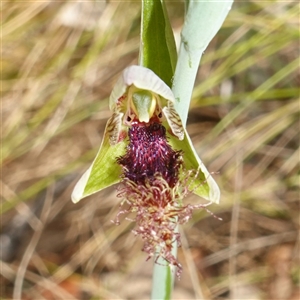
(59, 62)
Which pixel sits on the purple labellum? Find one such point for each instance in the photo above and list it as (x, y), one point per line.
(152, 188)
(154, 183)
(149, 154)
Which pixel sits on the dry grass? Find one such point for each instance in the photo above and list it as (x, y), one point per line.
(59, 63)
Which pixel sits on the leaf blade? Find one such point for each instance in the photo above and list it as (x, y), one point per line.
(157, 47)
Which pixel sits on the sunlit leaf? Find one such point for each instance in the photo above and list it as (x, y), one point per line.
(157, 47)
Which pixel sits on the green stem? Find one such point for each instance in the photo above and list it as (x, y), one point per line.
(163, 278)
(202, 22)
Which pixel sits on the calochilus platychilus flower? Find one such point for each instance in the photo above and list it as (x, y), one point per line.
(147, 149)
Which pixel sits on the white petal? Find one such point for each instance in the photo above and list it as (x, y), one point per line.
(141, 78)
(77, 193)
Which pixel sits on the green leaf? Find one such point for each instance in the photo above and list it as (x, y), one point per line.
(157, 47)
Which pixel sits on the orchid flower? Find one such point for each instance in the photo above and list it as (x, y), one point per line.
(147, 149)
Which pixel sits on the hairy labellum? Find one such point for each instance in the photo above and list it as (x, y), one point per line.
(149, 153)
(153, 189)
(154, 177)
(153, 186)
